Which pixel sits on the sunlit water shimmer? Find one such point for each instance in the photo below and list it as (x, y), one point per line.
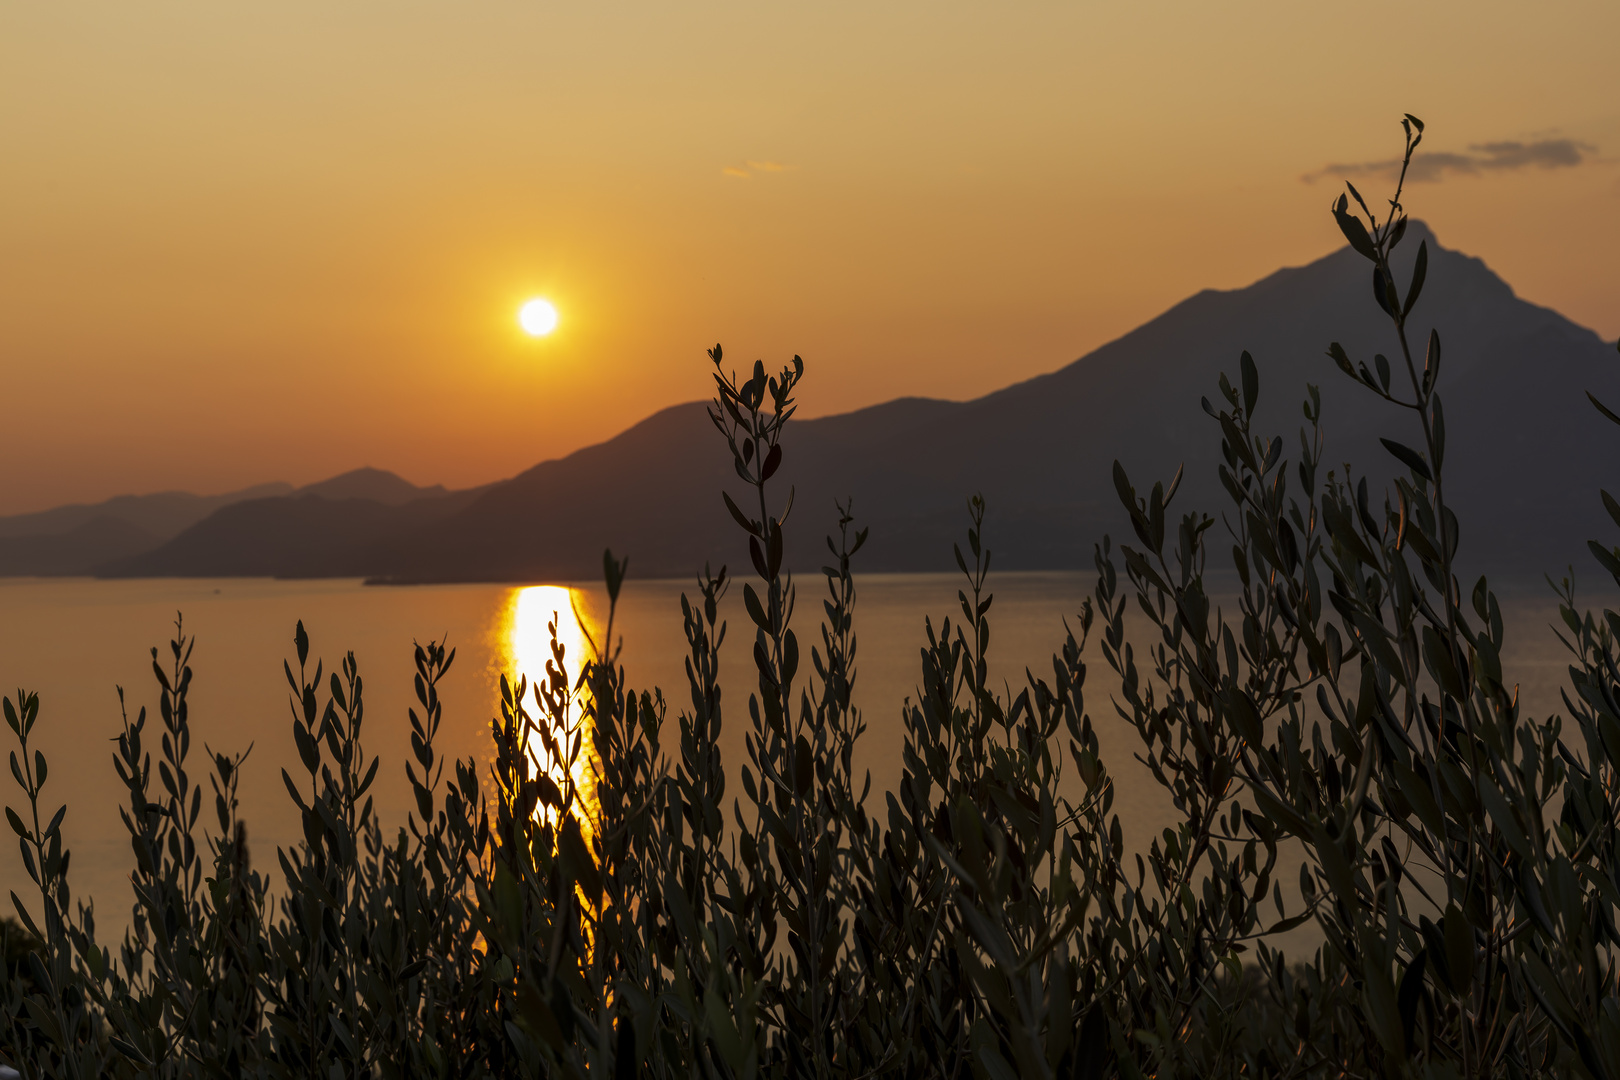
(73, 641)
(537, 619)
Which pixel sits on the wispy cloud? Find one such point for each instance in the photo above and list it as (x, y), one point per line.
(1505, 156)
(747, 170)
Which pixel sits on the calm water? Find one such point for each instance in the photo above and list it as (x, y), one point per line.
(74, 641)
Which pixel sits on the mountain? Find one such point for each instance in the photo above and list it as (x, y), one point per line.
(161, 515)
(74, 550)
(1527, 453)
(273, 524)
(297, 536)
(75, 539)
(376, 485)
(322, 530)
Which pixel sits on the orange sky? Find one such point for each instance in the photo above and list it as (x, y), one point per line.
(277, 241)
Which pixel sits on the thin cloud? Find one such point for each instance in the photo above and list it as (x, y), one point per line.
(1547, 153)
(755, 167)
(1504, 156)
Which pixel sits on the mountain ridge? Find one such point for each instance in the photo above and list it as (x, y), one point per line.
(113, 537)
(162, 513)
(1527, 454)
(1041, 450)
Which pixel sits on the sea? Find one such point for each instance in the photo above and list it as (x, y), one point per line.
(75, 642)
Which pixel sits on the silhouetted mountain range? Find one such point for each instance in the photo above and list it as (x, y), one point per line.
(1526, 452)
(376, 485)
(112, 537)
(1525, 458)
(161, 515)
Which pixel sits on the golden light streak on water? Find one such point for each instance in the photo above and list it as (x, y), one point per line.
(525, 648)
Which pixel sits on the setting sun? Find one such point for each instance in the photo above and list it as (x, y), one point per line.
(538, 318)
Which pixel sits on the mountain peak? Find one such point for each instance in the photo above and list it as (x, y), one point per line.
(367, 482)
(1418, 229)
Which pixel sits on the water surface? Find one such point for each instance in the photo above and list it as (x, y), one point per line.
(75, 641)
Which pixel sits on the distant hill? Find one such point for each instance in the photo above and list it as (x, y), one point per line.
(161, 515)
(322, 530)
(75, 539)
(1525, 459)
(377, 485)
(296, 536)
(154, 534)
(75, 550)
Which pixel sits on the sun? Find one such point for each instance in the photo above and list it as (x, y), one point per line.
(537, 317)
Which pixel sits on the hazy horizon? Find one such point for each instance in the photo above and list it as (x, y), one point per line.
(248, 246)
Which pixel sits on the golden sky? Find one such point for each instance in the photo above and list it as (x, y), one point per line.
(277, 241)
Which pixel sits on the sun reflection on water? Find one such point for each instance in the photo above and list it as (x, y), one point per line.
(525, 648)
